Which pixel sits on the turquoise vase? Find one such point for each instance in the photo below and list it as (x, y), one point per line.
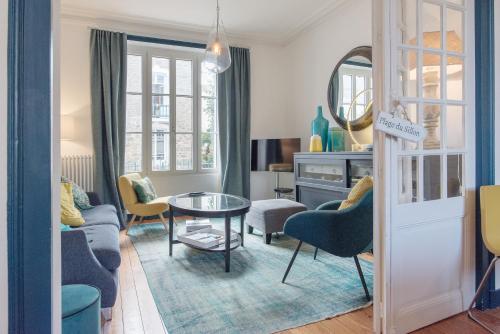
(338, 139)
(319, 127)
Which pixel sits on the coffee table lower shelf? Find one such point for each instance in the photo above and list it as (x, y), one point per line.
(221, 248)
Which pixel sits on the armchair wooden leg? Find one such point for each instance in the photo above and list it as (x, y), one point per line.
(163, 221)
(291, 261)
(132, 222)
(316, 253)
(360, 272)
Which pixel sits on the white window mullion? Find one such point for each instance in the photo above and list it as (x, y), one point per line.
(173, 114)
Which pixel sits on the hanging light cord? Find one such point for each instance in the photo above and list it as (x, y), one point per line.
(218, 10)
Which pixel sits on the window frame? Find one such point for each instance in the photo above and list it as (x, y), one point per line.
(148, 52)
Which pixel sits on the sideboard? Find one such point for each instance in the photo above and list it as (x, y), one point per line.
(323, 177)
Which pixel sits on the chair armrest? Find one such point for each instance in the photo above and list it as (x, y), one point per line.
(333, 205)
(80, 266)
(94, 198)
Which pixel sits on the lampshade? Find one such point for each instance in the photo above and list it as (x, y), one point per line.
(217, 55)
(67, 127)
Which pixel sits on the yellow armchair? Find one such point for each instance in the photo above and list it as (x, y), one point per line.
(137, 209)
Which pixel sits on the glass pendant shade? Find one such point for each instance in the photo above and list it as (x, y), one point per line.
(217, 55)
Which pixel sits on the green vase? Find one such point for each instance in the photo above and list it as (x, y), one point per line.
(338, 139)
(319, 126)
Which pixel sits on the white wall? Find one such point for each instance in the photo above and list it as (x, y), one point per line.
(3, 168)
(288, 82)
(313, 57)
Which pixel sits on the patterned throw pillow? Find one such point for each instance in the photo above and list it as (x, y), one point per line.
(82, 201)
(144, 190)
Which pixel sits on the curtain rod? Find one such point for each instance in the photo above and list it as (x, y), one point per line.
(173, 42)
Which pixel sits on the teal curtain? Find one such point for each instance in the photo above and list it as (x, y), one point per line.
(108, 52)
(234, 124)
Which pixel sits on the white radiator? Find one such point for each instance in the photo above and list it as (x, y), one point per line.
(79, 169)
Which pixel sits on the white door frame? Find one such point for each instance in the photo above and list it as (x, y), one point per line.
(56, 169)
(383, 15)
(4, 315)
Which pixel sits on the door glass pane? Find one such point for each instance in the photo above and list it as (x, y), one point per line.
(184, 114)
(454, 30)
(133, 152)
(408, 73)
(455, 130)
(432, 177)
(347, 94)
(407, 175)
(134, 113)
(184, 77)
(208, 147)
(160, 150)
(454, 78)
(431, 74)
(411, 111)
(455, 175)
(160, 75)
(431, 25)
(184, 151)
(432, 123)
(408, 10)
(134, 74)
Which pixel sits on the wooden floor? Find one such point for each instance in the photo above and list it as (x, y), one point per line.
(135, 311)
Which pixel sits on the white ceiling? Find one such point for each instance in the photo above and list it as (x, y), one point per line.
(266, 20)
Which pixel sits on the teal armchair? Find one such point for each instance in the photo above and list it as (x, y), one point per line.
(344, 233)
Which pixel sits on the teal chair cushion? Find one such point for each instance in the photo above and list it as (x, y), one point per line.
(81, 309)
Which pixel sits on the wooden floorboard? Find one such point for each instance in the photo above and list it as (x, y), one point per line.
(135, 311)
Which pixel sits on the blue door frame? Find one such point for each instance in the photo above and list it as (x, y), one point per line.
(485, 134)
(29, 205)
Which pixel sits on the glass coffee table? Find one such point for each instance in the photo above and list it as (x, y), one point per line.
(210, 205)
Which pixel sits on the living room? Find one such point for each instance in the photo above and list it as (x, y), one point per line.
(283, 104)
(248, 167)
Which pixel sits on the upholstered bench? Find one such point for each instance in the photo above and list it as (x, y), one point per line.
(269, 216)
(81, 309)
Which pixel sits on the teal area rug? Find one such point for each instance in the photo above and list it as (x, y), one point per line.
(194, 294)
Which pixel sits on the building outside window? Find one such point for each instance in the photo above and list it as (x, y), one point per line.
(180, 121)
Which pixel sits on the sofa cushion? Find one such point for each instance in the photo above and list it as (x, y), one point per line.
(101, 215)
(104, 242)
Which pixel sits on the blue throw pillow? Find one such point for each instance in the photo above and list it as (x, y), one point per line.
(65, 228)
(144, 190)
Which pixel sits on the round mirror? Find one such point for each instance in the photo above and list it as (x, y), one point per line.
(350, 93)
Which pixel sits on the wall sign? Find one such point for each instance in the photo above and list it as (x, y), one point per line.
(396, 126)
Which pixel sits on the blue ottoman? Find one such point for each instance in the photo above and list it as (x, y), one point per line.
(81, 309)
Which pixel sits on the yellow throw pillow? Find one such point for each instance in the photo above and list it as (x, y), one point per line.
(69, 213)
(357, 192)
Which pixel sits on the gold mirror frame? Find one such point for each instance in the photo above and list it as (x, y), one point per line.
(365, 120)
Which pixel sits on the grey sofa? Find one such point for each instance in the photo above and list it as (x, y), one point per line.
(91, 253)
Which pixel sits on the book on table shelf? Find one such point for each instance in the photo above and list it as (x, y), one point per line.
(198, 224)
(206, 238)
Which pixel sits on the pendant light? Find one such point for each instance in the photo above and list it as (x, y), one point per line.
(217, 55)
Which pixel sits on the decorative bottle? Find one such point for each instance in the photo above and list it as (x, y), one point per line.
(319, 126)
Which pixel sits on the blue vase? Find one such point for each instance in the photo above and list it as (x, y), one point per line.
(319, 127)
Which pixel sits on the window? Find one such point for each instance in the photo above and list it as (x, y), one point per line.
(181, 119)
(355, 80)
